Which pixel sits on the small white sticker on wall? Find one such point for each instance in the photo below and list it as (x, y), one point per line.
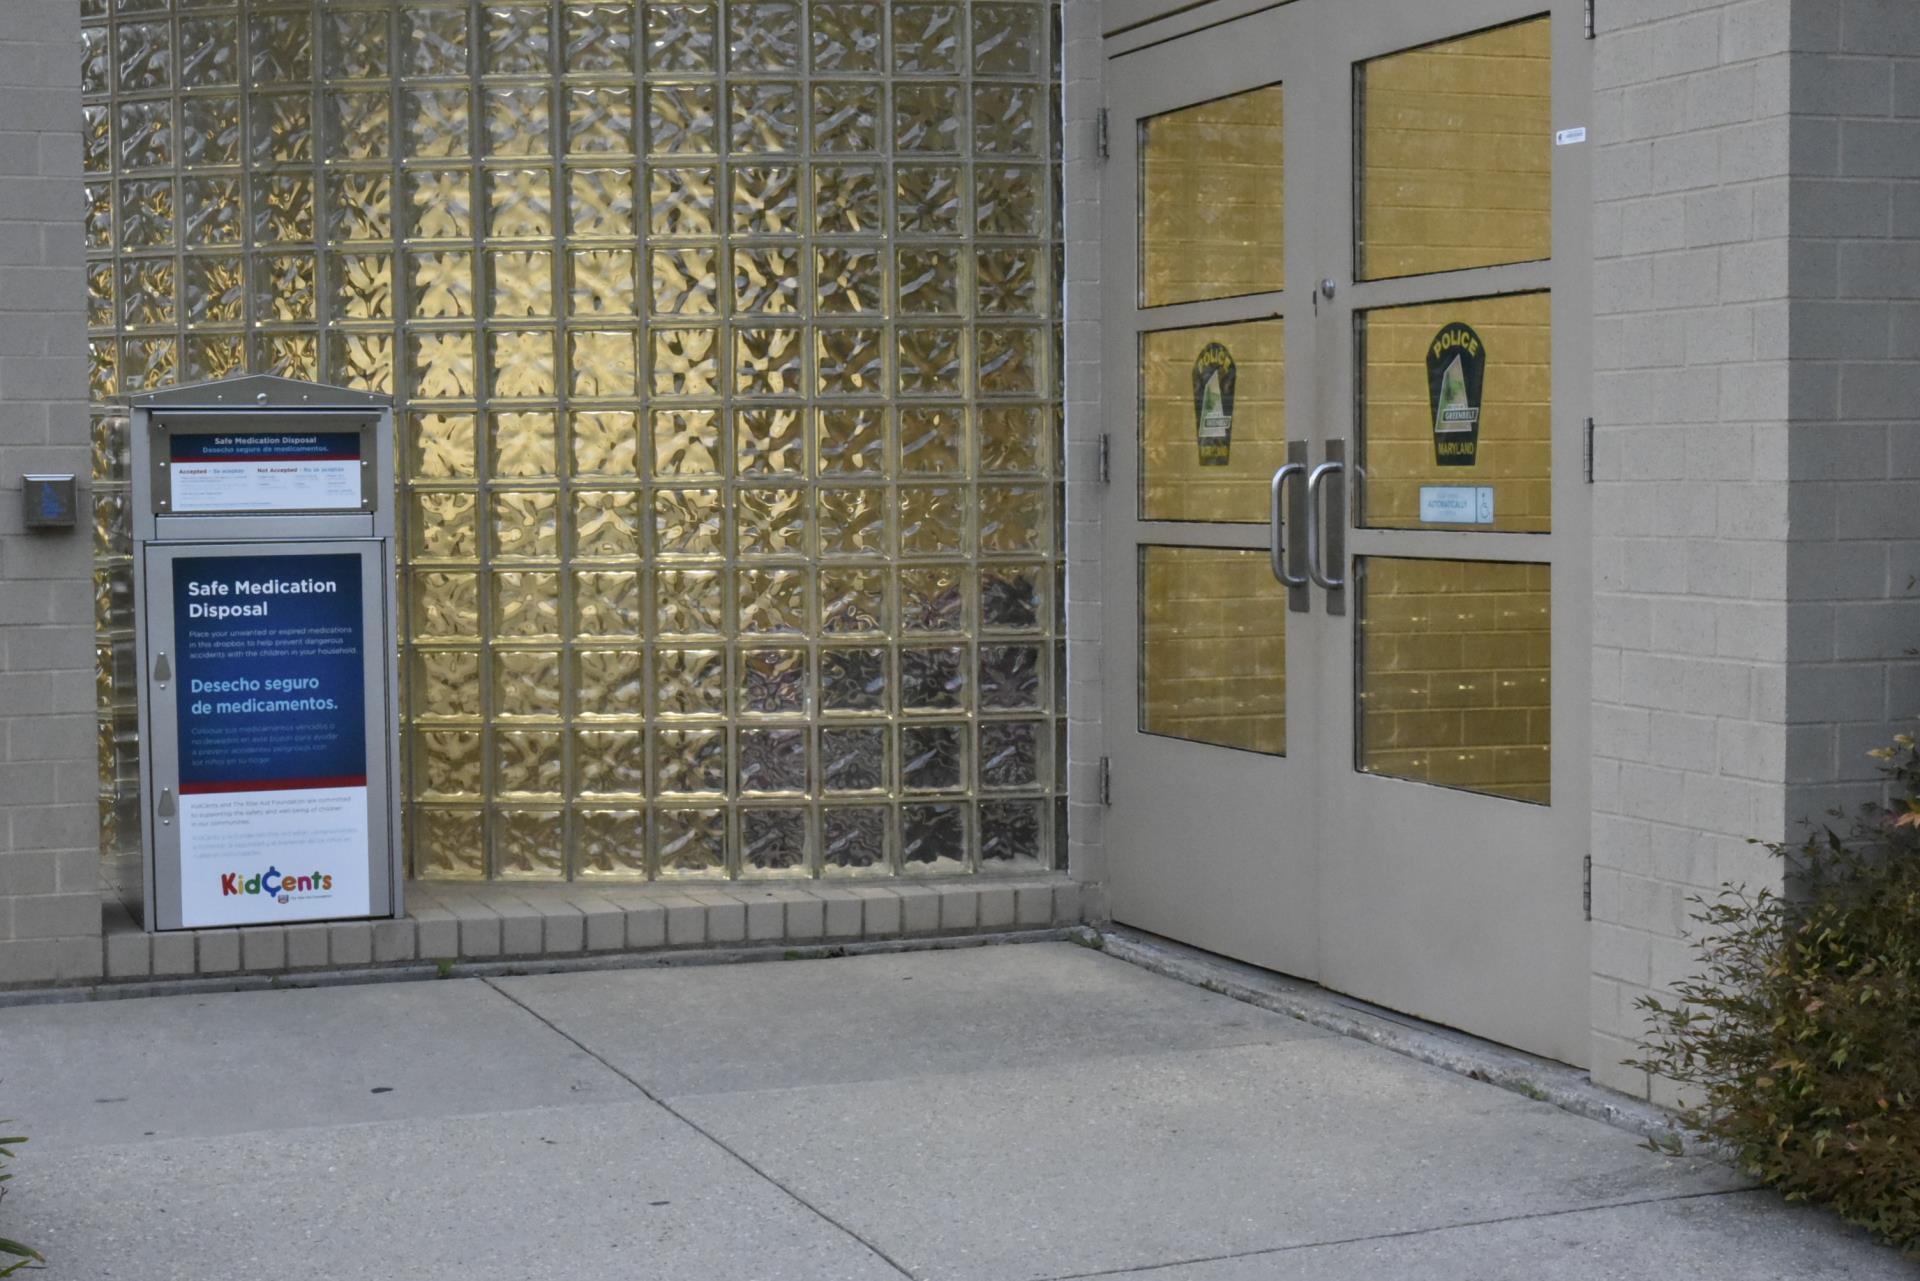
(1568, 137)
(1456, 504)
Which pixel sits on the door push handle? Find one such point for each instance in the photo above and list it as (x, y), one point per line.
(1277, 527)
(165, 807)
(1315, 520)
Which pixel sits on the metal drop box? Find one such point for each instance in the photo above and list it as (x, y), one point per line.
(264, 595)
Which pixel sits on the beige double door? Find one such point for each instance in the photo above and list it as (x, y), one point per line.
(1345, 531)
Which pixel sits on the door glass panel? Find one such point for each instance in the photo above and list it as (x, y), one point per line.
(1213, 648)
(1212, 184)
(1454, 674)
(1455, 154)
(1212, 420)
(1456, 415)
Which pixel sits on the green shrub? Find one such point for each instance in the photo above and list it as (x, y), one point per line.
(1799, 1042)
(13, 1255)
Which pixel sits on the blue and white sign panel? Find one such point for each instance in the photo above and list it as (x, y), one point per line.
(272, 737)
(264, 472)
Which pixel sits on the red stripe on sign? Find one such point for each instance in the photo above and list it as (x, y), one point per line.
(271, 458)
(273, 785)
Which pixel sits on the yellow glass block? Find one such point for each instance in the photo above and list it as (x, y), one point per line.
(442, 365)
(606, 524)
(601, 282)
(1514, 454)
(1190, 469)
(442, 284)
(766, 278)
(1455, 153)
(854, 601)
(772, 600)
(527, 763)
(442, 446)
(1213, 648)
(769, 361)
(773, 682)
(1212, 199)
(690, 843)
(685, 362)
(444, 527)
(442, 203)
(685, 282)
(526, 524)
(520, 283)
(770, 522)
(1455, 674)
(447, 764)
(933, 520)
(606, 602)
(519, 202)
(690, 602)
(362, 361)
(690, 682)
(519, 120)
(603, 363)
(1014, 520)
(610, 762)
(769, 442)
(853, 521)
(523, 444)
(448, 844)
(606, 442)
(600, 203)
(529, 844)
(611, 845)
(526, 605)
(851, 440)
(686, 442)
(933, 440)
(610, 683)
(437, 122)
(523, 363)
(445, 605)
(446, 684)
(527, 683)
(690, 762)
(688, 522)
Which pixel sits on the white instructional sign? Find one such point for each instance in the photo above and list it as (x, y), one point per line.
(317, 471)
(1456, 504)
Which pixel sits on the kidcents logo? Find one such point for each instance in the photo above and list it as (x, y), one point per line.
(274, 884)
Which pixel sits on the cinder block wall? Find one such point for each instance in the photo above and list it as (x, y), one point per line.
(1692, 121)
(1083, 62)
(1757, 517)
(1853, 564)
(49, 832)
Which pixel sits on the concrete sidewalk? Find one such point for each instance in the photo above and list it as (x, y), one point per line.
(995, 1114)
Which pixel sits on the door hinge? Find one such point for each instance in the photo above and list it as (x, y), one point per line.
(1586, 887)
(1106, 780)
(1590, 27)
(1586, 454)
(1100, 134)
(1105, 459)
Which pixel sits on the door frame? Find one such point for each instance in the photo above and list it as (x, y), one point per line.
(1321, 406)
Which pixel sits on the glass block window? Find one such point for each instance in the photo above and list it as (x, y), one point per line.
(724, 344)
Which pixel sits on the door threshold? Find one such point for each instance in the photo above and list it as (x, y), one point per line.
(1568, 1088)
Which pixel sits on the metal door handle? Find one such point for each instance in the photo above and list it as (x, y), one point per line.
(1277, 527)
(1314, 521)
